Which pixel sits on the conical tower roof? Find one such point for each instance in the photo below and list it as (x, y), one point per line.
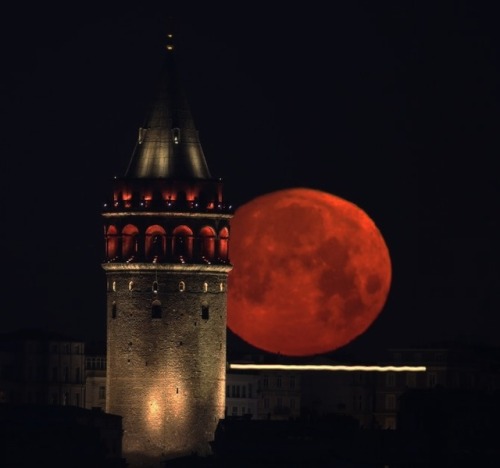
(168, 145)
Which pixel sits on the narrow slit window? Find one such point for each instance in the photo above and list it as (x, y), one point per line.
(204, 312)
(182, 286)
(176, 133)
(113, 310)
(155, 287)
(205, 287)
(131, 286)
(156, 310)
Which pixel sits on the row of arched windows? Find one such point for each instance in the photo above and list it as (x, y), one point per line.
(154, 245)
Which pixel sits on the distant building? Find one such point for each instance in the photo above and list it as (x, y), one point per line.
(242, 396)
(263, 395)
(349, 393)
(95, 372)
(279, 395)
(454, 366)
(39, 367)
(56, 436)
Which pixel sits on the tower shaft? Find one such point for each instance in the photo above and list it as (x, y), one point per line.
(166, 229)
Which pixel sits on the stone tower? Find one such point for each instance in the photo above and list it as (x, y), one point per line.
(166, 229)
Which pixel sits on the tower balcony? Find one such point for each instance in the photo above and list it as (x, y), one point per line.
(144, 205)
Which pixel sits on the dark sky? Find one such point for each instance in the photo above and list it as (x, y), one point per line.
(390, 105)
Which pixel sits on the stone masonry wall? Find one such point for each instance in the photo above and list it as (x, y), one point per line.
(166, 375)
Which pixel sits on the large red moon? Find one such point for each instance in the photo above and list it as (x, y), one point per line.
(311, 272)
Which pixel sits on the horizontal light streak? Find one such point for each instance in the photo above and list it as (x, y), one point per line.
(327, 368)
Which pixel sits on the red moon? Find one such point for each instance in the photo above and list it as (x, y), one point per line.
(311, 272)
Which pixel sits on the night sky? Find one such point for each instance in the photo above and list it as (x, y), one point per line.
(390, 105)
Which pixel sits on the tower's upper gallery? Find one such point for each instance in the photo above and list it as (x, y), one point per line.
(168, 145)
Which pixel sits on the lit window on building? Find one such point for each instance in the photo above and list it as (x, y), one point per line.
(131, 286)
(182, 286)
(390, 401)
(357, 402)
(155, 287)
(176, 133)
(205, 287)
(431, 379)
(390, 379)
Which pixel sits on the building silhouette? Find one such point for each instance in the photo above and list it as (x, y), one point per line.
(45, 368)
(166, 227)
(441, 417)
(48, 412)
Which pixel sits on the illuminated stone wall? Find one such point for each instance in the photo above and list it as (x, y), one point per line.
(166, 357)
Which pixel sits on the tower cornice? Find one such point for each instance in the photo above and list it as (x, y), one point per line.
(168, 267)
(167, 214)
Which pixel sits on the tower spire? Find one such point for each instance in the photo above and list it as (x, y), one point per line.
(168, 144)
(166, 239)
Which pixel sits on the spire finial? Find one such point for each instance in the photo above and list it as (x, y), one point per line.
(170, 42)
(170, 35)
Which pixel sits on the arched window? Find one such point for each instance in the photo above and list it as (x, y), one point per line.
(130, 285)
(156, 242)
(111, 243)
(182, 243)
(130, 245)
(207, 243)
(176, 135)
(156, 309)
(223, 244)
(154, 288)
(182, 286)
